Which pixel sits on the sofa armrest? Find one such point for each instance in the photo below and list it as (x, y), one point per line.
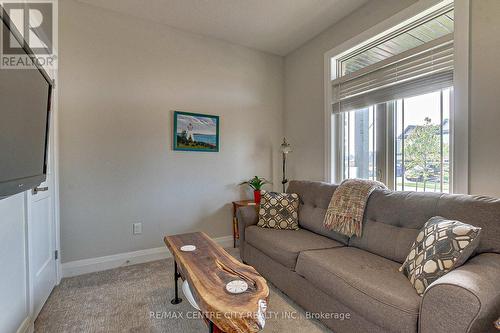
(246, 216)
(466, 299)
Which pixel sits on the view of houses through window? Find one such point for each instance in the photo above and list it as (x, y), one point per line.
(423, 142)
(417, 128)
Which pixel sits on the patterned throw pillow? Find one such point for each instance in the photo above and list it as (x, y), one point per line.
(279, 210)
(441, 246)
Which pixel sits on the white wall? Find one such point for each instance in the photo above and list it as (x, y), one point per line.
(14, 295)
(304, 87)
(120, 78)
(304, 92)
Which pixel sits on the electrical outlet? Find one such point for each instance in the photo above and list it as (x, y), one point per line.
(137, 228)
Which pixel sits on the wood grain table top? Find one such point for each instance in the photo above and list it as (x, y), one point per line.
(208, 269)
(241, 203)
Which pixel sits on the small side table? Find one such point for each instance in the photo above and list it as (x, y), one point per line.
(236, 205)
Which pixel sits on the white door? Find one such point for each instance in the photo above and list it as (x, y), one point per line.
(42, 239)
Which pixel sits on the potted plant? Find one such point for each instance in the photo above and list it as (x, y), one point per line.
(256, 184)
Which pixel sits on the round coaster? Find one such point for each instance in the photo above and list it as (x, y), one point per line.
(237, 287)
(188, 248)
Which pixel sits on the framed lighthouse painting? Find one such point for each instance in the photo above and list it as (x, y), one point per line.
(196, 132)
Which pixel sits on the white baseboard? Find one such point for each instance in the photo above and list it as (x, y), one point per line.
(27, 326)
(79, 267)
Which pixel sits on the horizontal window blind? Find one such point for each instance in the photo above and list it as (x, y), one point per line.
(423, 69)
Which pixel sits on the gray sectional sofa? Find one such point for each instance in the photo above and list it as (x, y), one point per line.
(331, 275)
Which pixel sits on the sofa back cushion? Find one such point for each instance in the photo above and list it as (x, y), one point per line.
(392, 219)
(314, 200)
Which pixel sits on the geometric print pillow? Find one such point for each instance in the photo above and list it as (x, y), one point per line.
(441, 246)
(279, 210)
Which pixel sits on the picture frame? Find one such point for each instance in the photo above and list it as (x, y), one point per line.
(195, 132)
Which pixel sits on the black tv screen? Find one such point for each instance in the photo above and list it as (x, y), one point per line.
(24, 119)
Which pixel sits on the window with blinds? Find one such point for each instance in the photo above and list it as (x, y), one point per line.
(392, 105)
(416, 33)
(412, 61)
(420, 70)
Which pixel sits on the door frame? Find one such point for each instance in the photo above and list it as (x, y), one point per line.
(55, 178)
(53, 184)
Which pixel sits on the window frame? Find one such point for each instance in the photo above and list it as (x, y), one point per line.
(385, 135)
(459, 118)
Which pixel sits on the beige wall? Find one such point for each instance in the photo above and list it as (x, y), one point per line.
(120, 78)
(117, 166)
(485, 98)
(304, 88)
(304, 92)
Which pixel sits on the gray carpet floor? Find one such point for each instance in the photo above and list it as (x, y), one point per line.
(125, 299)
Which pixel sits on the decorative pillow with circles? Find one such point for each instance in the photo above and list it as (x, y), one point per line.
(441, 245)
(279, 210)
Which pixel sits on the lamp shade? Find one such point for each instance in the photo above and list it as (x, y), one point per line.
(285, 147)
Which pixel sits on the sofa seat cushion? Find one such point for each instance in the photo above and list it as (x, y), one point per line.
(365, 282)
(284, 246)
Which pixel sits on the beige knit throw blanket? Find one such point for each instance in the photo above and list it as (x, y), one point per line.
(347, 206)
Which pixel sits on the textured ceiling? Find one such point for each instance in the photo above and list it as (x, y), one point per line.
(275, 26)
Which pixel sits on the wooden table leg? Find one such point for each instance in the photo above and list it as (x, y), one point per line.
(176, 299)
(235, 231)
(235, 225)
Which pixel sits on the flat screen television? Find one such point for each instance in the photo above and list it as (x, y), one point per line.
(25, 96)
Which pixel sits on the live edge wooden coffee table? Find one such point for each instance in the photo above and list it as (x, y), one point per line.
(231, 296)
